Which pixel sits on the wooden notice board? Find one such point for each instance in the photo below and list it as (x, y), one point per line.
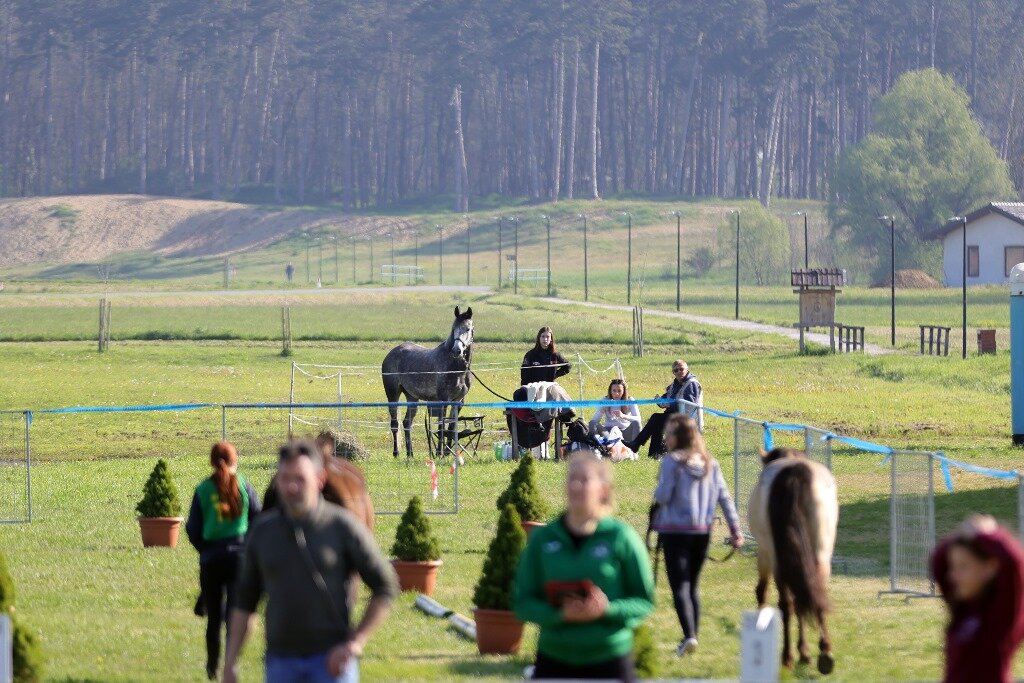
(817, 307)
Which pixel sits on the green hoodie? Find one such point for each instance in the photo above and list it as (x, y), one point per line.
(613, 558)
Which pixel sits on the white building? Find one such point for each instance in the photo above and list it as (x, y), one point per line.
(995, 243)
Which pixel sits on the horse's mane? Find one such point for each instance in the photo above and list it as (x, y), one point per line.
(780, 453)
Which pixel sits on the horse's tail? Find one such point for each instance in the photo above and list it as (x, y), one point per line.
(791, 512)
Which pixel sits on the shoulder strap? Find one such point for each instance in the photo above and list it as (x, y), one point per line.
(314, 572)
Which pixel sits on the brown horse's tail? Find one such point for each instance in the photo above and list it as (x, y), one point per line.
(790, 511)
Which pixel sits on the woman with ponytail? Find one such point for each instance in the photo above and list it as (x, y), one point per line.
(223, 507)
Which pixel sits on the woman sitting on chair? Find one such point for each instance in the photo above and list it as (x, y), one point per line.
(626, 418)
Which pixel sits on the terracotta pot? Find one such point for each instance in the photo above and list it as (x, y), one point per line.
(498, 632)
(529, 526)
(160, 531)
(417, 576)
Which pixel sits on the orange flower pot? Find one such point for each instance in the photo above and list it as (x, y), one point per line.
(498, 632)
(420, 577)
(161, 532)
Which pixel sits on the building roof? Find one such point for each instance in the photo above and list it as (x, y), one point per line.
(1012, 210)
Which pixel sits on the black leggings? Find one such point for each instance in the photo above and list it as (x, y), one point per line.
(217, 583)
(684, 557)
(653, 430)
(618, 669)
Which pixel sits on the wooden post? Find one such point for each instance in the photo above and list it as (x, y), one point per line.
(103, 339)
(286, 331)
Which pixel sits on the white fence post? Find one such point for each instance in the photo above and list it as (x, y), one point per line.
(6, 649)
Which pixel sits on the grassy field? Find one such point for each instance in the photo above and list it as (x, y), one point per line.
(109, 611)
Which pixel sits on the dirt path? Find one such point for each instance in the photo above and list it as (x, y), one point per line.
(741, 325)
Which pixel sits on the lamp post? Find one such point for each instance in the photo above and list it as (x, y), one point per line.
(963, 296)
(737, 212)
(547, 220)
(468, 226)
(337, 261)
(586, 274)
(515, 255)
(392, 236)
(499, 219)
(416, 252)
(806, 242)
(679, 269)
(629, 257)
(320, 257)
(892, 276)
(440, 254)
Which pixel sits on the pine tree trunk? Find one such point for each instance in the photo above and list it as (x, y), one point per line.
(143, 126)
(559, 118)
(684, 128)
(594, 123)
(531, 144)
(570, 162)
(461, 171)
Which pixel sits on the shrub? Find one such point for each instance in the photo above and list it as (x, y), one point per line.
(6, 587)
(522, 492)
(28, 656)
(494, 590)
(414, 539)
(160, 496)
(644, 653)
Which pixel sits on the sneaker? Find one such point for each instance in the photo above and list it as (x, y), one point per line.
(686, 647)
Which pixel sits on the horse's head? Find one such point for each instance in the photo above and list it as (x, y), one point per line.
(462, 333)
(778, 454)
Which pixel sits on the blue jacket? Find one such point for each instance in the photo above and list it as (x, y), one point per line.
(688, 497)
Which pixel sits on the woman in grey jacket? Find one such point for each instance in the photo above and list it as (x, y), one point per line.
(690, 486)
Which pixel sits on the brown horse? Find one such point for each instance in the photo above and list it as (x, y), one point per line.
(793, 515)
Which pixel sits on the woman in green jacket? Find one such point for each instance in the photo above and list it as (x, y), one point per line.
(585, 579)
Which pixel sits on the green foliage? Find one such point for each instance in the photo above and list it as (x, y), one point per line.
(64, 212)
(925, 160)
(494, 590)
(160, 495)
(6, 586)
(28, 655)
(414, 539)
(701, 259)
(764, 245)
(645, 655)
(522, 492)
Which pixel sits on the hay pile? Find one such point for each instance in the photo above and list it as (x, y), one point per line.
(910, 279)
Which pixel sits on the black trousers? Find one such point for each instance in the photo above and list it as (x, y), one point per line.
(684, 558)
(653, 431)
(618, 669)
(217, 583)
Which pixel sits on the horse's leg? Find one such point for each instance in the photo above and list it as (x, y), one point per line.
(801, 641)
(393, 410)
(410, 415)
(763, 574)
(825, 661)
(785, 607)
(453, 432)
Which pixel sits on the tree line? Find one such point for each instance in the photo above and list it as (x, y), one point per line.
(380, 103)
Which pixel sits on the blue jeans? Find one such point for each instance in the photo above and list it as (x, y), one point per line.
(308, 669)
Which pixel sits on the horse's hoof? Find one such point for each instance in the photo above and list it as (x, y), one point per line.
(787, 662)
(805, 659)
(826, 663)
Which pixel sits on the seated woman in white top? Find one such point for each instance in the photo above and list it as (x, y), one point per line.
(626, 418)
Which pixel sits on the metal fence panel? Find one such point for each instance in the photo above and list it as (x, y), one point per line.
(912, 523)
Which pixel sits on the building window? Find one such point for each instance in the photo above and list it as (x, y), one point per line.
(972, 262)
(1011, 257)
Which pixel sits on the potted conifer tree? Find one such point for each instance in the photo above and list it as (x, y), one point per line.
(159, 510)
(416, 550)
(523, 494)
(497, 629)
(26, 655)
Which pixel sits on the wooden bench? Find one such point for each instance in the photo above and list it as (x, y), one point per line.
(938, 340)
(851, 338)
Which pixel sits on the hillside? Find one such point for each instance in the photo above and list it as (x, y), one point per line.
(84, 228)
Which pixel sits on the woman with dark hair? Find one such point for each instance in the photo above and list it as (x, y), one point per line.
(625, 417)
(223, 507)
(690, 486)
(543, 363)
(980, 571)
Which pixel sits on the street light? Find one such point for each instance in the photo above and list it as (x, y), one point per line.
(320, 257)
(547, 220)
(337, 271)
(629, 257)
(515, 256)
(440, 254)
(586, 280)
(963, 296)
(806, 249)
(892, 276)
(370, 240)
(305, 237)
(468, 226)
(392, 236)
(679, 270)
(737, 212)
(499, 219)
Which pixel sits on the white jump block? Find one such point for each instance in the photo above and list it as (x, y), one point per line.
(6, 649)
(759, 646)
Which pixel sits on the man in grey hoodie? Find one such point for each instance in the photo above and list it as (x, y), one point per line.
(685, 387)
(690, 487)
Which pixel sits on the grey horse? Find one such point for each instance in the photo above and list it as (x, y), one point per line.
(438, 374)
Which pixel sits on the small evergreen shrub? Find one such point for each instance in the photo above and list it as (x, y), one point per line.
(522, 492)
(160, 496)
(6, 587)
(414, 539)
(28, 656)
(644, 653)
(494, 590)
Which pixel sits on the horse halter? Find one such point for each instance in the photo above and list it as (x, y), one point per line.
(461, 342)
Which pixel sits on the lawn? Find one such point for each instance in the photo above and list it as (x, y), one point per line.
(108, 610)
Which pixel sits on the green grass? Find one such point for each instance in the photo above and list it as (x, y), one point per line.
(107, 610)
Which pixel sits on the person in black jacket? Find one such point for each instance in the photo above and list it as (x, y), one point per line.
(543, 363)
(685, 386)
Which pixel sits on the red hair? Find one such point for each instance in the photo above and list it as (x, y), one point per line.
(223, 458)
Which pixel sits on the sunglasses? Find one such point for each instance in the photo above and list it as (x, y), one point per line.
(289, 451)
